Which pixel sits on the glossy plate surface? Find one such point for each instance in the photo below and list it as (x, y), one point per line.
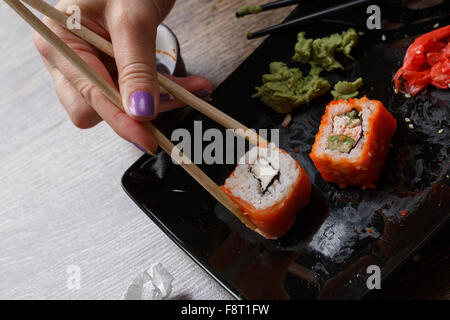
(327, 252)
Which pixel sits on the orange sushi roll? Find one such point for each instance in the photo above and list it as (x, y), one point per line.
(353, 142)
(271, 188)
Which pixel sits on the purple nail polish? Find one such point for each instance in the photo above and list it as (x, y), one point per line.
(203, 93)
(143, 150)
(164, 97)
(141, 104)
(140, 148)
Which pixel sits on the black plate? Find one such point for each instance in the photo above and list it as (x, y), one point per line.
(327, 252)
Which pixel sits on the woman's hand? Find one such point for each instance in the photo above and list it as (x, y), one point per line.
(131, 25)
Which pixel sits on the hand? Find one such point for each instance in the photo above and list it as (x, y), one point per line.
(131, 25)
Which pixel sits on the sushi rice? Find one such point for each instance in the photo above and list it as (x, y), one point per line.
(270, 187)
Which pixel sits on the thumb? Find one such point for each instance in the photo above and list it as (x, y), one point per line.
(134, 40)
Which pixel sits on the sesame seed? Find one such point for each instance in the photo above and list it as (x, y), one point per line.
(418, 52)
(287, 120)
(408, 95)
(436, 25)
(383, 37)
(395, 90)
(441, 131)
(407, 120)
(411, 126)
(370, 154)
(361, 33)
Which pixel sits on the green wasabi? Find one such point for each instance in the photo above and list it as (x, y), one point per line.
(322, 51)
(346, 90)
(285, 89)
(245, 10)
(303, 49)
(341, 143)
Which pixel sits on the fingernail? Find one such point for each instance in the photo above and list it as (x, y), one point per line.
(139, 147)
(202, 93)
(141, 104)
(164, 97)
(142, 149)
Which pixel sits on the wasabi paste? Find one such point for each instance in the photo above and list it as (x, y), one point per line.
(285, 89)
(346, 90)
(322, 51)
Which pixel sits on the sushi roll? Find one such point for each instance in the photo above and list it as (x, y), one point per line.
(353, 142)
(270, 187)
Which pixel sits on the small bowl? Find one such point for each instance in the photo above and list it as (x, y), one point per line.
(168, 55)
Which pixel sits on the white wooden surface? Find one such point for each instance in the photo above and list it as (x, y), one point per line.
(61, 202)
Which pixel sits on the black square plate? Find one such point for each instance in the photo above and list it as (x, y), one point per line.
(342, 232)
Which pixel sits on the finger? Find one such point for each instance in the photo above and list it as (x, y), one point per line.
(126, 127)
(80, 112)
(133, 34)
(200, 86)
(129, 129)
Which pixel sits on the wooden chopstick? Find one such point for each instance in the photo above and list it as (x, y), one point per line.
(170, 86)
(113, 95)
(272, 6)
(308, 18)
(211, 112)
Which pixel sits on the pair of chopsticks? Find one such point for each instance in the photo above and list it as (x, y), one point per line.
(305, 19)
(114, 96)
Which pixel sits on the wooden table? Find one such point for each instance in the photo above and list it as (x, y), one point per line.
(61, 203)
(213, 41)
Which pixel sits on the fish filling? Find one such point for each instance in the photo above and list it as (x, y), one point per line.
(347, 131)
(265, 172)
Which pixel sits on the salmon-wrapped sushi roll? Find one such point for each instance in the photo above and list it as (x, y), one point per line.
(353, 142)
(270, 187)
